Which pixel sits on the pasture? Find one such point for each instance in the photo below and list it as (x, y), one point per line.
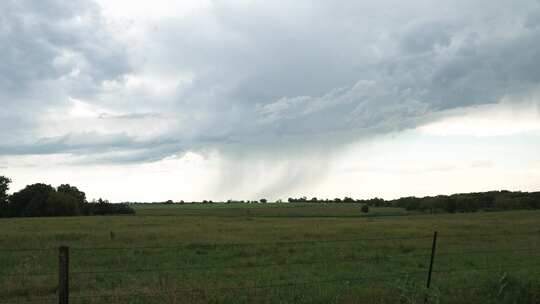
(274, 253)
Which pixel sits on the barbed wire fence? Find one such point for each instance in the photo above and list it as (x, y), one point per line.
(428, 276)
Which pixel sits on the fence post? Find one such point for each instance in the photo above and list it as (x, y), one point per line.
(430, 271)
(63, 275)
(433, 246)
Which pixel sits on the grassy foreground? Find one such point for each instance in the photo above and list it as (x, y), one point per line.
(274, 253)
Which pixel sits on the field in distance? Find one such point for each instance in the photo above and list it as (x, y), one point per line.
(266, 210)
(274, 253)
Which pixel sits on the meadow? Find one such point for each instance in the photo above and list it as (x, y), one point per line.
(274, 253)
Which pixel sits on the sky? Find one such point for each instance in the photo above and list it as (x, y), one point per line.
(245, 99)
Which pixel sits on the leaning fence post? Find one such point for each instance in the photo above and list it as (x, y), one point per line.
(430, 271)
(433, 246)
(63, 275)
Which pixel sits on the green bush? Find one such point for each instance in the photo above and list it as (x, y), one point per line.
(365, 209)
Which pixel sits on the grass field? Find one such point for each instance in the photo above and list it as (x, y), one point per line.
(274, 253)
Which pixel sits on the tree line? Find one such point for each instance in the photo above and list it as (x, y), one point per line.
(45, 200)
(462, 202)
(472, 202)
(373, 202)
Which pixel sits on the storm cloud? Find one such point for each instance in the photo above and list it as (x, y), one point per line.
(251, 74)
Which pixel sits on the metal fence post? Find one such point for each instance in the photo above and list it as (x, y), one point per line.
(63, 275)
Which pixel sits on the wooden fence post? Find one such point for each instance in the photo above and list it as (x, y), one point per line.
(63, 275)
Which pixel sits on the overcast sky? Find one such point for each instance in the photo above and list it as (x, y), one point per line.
(162, 99)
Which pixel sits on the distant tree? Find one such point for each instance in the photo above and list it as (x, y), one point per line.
(348, 200)
(376, 202)
(4, 187)
(75, 193)
(60, 204)
(104, 207)
(503, 202)
(451, 205)
(44, 200)
(169, 202)
(263, 201)
(30, 201)
(365, 209)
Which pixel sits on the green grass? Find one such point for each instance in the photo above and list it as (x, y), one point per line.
(276, 253)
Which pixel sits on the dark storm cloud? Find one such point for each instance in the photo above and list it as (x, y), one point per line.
(71, 143)
(425, 37)
(118, 148)
(45, 40)
(256, 74)
(51, 50)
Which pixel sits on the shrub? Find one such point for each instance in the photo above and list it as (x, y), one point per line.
(365, 209)
(103, 207)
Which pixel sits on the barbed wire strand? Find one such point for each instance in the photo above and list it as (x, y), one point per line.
(278, 243)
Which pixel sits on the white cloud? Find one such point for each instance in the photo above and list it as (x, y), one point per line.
(180, 177)
(81, 109)
(490, 120)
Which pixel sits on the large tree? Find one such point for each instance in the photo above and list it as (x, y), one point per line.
(30, 201)
(74, 192)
